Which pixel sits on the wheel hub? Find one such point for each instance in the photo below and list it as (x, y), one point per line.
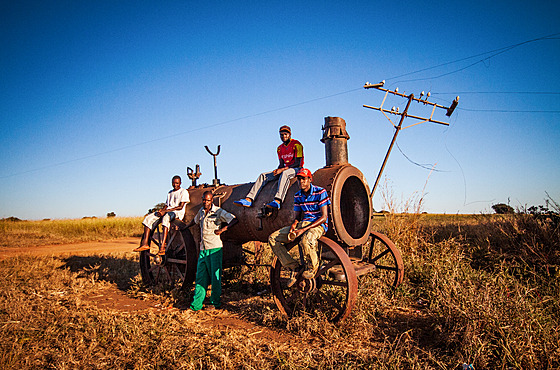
(307, 286)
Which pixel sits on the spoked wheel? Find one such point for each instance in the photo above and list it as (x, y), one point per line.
(174, 270)
(384, 255)
(332, 292)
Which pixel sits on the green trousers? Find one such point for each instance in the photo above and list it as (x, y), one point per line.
(208, 271)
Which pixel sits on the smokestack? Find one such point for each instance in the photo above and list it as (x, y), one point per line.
(335, 138)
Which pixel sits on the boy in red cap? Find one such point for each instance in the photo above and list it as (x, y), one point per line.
(290, 156)
(311, 205)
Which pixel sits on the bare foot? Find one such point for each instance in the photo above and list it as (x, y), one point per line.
(142, 248)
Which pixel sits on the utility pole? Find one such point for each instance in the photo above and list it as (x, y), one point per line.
(403, 115)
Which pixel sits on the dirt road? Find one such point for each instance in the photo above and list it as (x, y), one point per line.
(79, 249)
(115, 299)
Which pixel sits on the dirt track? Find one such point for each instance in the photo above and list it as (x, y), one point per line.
(102, 247)
(115, 299)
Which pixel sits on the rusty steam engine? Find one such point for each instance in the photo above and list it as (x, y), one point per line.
(349, 248)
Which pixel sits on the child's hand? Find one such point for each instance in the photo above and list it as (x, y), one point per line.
(161, 212)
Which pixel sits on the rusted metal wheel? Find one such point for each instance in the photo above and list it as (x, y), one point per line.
(332, 292)
(177, 268)
(384, 255)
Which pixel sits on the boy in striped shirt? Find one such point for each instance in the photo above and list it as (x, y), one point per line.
(311, 205)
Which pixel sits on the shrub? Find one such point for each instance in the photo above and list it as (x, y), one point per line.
(11, 219)
(502, 209)
(157, 207)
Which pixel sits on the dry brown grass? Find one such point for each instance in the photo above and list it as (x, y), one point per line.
(34, 233)
(482, 291)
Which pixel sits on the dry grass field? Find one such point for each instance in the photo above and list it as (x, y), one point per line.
(22, 234)
(481, 290)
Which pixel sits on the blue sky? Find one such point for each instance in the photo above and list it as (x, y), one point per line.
(102, 102)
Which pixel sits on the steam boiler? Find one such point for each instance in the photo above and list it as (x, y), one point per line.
(348, 250)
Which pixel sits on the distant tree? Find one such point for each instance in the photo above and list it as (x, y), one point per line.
(157, 207)
(11, 219)
(502, 209)
(111, 214)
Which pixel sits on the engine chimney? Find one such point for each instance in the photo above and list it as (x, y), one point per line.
(335, 138)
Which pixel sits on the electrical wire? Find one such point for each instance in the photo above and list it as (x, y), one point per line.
(425, 166)
(176, 134)
(507, 111)
(498, 110)
(495, 53)
(498, 92)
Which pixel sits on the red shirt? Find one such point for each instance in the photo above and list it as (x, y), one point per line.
(289, 153)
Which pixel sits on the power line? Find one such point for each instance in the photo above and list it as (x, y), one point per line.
(508, 111)
(176, 134)
(495, 53)
(426, 166)
(498, 92)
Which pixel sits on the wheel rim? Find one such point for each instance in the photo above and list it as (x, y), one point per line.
(169, 270)
(382, 252)
(331, 293)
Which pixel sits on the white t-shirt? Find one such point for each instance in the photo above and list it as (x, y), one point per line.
(174, 198)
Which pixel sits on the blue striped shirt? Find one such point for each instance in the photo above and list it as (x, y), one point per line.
(312, 203)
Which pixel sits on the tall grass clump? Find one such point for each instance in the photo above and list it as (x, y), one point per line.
(487, 290)
(34, 233)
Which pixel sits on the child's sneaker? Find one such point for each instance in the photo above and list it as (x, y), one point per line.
(243, 203)
(274, 204)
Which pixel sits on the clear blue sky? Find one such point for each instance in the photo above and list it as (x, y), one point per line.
(102, 102)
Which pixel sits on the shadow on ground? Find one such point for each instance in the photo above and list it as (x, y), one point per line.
(118, 270)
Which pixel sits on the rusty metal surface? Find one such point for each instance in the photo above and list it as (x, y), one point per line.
(194, 174)
(178, 266)
(333, 290)
(350, 211)
(349, 214)
(383, 258)
(335, 138)
(249, 226)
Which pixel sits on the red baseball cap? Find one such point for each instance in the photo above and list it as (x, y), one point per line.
(285, 128)
(304, 172)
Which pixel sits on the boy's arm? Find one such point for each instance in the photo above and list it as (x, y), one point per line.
(281, 167)
(297, 162)
(230, 224)
(297, 219)
(318, 222)
(165, 210)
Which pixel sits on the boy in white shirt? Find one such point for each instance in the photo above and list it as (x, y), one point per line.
(175, 206)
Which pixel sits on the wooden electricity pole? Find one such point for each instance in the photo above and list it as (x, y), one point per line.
(404, 114)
